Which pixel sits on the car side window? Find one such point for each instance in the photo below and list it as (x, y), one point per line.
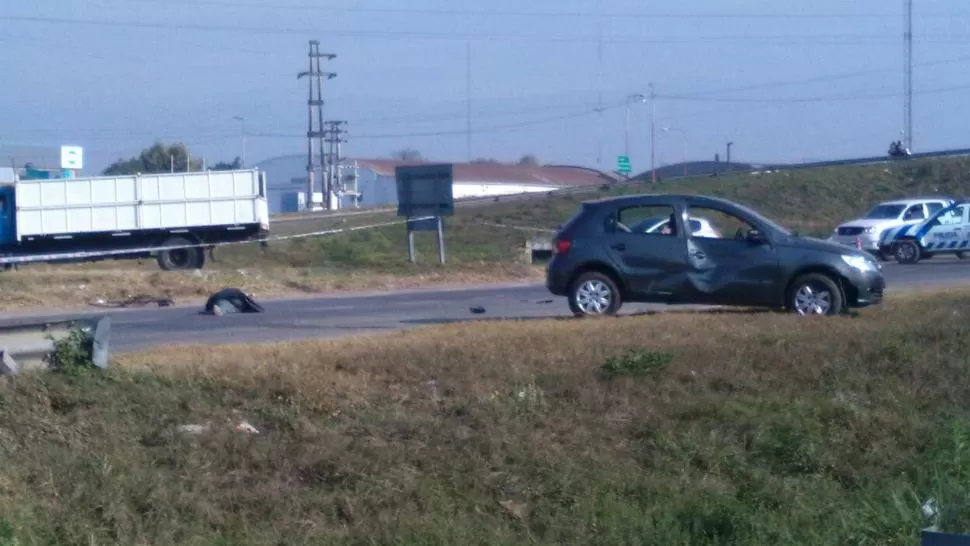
(933, 208)
(914, 212)
(646, 220)
(718, 224)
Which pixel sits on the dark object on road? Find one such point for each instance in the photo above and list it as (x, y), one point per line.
(478, 309)
(599, 262)
(231, 300)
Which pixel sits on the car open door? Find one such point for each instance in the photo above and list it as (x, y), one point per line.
(948, 231)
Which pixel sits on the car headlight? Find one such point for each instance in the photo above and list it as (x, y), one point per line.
(870, 229)
(860, 263)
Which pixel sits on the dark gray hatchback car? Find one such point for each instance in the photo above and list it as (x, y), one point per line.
(743, 259)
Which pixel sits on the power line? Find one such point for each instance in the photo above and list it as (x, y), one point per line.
(545, 14)
(834, 39)
(831, 77)
(490, 128)
(836, 98)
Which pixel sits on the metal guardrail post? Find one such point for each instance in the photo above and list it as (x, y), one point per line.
(25, 343)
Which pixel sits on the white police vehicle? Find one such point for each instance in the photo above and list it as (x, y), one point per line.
(699, 227)
(946, 232)
(867, 231)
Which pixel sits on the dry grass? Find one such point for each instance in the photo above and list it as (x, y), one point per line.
(686, 428)
(77, 286)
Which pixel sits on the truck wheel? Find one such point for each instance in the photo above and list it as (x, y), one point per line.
(594, 294)
(180, 258)
(815, 294)
(907, 252)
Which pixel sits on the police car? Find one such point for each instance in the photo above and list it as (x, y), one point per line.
(866, 232)
(946, 232)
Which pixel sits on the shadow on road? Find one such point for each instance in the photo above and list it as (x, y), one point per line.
(712, 311)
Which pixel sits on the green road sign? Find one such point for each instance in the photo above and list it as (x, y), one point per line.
(623, 164)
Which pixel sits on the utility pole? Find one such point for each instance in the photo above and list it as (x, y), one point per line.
(333, 137)
(468, 99)
(314, 72)
(728, 168)
(653, 134)
(242, 122)
(908, 73)
(599, 84)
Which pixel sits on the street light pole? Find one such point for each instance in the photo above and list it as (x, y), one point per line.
(653, 134)
(242, 122)
(637, 98)
(683, 137)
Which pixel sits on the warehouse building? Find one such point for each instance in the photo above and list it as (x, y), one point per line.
(376, 186)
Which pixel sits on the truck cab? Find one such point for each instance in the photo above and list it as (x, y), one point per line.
(8, 216)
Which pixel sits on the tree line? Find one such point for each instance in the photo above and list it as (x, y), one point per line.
(408, 154)
(163, 158)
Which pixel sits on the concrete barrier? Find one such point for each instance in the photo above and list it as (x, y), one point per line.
(26, 343)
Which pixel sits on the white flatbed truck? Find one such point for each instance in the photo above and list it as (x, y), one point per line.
(137, 216)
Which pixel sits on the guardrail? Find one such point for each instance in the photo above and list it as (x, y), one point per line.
(25, 343)
(636, 181)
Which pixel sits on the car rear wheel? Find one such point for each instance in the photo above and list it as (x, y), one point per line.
(594, 294)
(961, 255)
(907, 252)
(815, 294)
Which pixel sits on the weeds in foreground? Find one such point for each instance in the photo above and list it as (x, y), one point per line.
(502, 433)
(637, 362)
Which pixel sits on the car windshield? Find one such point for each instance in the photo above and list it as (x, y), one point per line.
(885, 212)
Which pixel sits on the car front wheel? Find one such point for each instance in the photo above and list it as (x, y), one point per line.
(594, 294)
(815, 294)
(907, 252)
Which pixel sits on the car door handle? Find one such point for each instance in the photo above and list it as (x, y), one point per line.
(698, 254)
(619, 246)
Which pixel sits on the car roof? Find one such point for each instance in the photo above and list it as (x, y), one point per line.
(664, 198)
(914, 200)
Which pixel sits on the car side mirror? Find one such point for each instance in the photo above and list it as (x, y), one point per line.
(755, 237)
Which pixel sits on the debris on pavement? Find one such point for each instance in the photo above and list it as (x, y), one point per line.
(229, 301)
(242, 426)
(132, 301)
(478, 309)
(192, 429)
(247, 428)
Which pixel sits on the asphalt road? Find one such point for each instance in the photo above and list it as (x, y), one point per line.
(340, 315)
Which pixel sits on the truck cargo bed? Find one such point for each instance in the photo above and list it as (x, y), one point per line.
(168, 201)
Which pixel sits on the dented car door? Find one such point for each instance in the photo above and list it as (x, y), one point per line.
(739, 267)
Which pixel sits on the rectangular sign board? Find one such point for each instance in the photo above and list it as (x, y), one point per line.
(425, 190)
(72, 157)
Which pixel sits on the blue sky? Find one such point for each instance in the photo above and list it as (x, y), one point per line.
(796, 81)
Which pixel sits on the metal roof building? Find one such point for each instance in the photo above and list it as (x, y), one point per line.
(286, 179)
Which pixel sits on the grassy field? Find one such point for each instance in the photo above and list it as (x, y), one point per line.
(812, 201)
(681, 428)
